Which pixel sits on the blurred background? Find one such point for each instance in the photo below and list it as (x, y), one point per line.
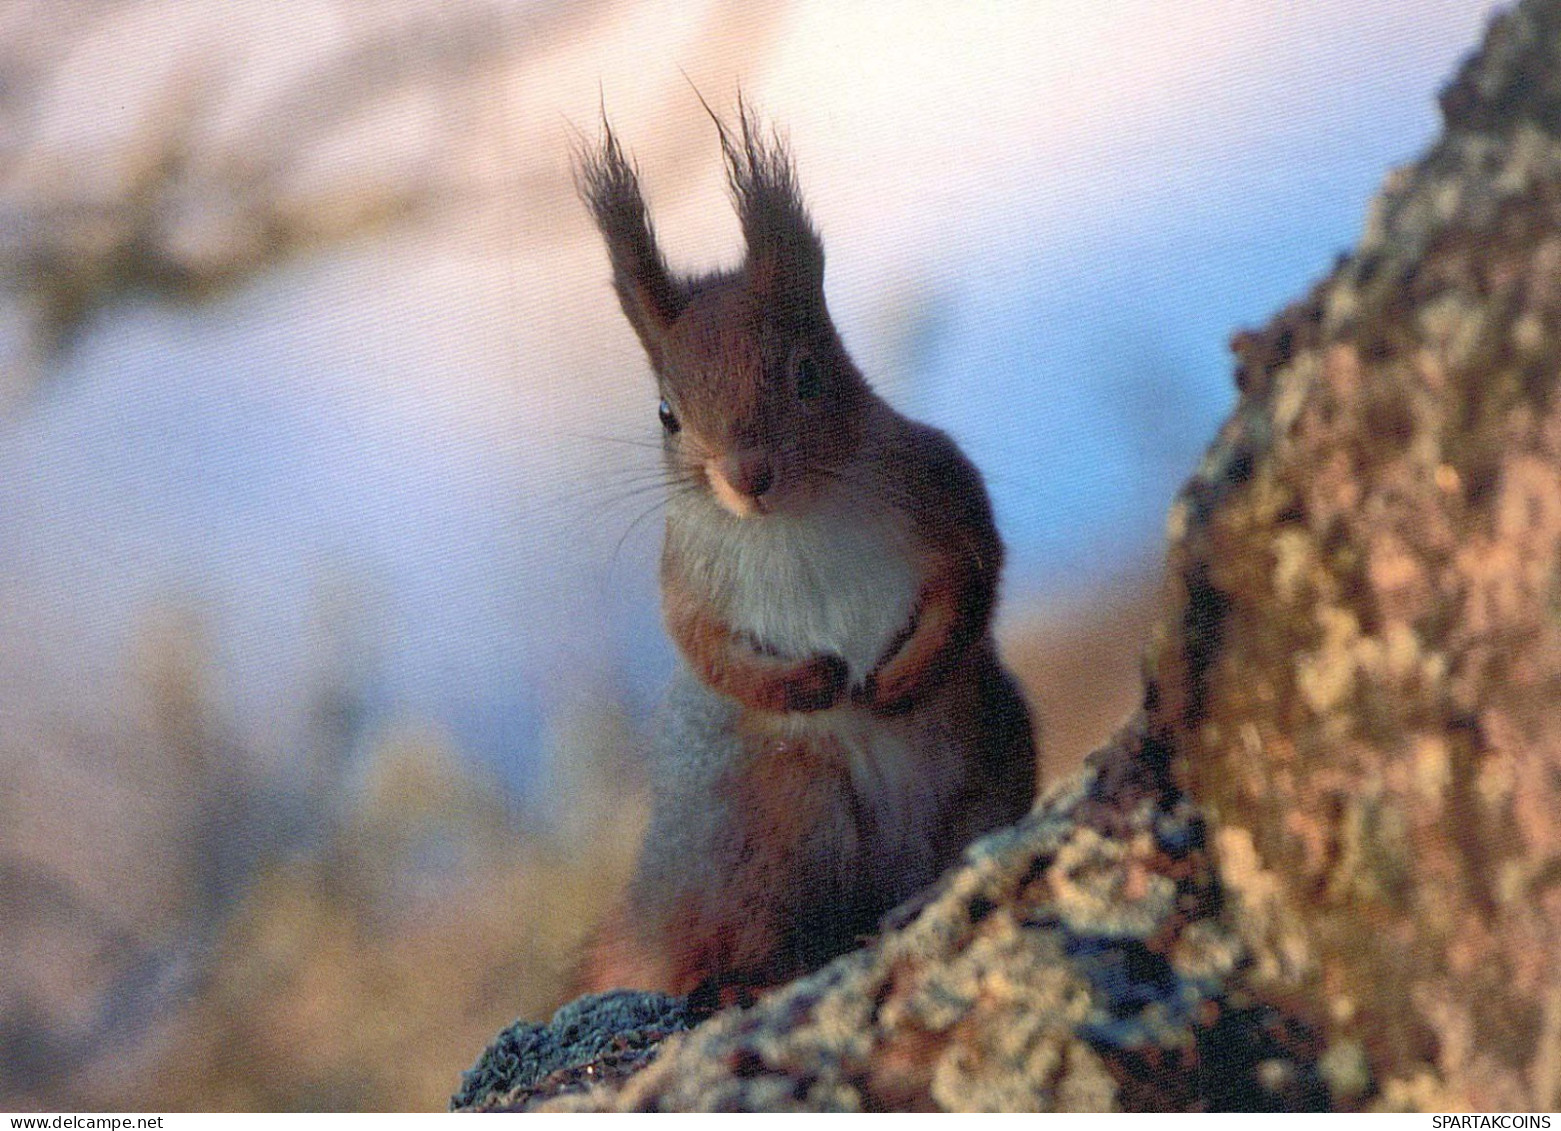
(328, 623)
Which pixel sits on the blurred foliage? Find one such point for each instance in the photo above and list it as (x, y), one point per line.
(345, 937)
(365, 974)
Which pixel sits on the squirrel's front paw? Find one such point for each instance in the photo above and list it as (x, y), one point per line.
(814, 685)
(893, 685)
(884, 697)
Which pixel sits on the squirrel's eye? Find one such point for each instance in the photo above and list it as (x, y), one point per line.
(669, 419)
(810, 380)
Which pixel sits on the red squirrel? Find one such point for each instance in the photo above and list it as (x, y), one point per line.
(840, 725)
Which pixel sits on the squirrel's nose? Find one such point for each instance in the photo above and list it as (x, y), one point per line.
(742, 481)
(749, 472)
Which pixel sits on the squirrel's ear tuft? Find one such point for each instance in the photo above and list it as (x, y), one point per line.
(785, 254)
(609, 184)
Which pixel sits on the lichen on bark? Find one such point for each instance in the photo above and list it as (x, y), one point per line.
(1372, 722)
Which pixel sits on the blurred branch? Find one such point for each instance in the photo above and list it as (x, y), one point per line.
(195, 209)
(209, 185)
(44, 912)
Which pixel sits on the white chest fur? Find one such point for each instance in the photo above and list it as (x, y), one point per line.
(830, 581)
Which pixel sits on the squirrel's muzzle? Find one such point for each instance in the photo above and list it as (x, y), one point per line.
(743, 481)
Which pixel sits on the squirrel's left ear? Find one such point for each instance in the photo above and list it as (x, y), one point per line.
(609, 184)
(785, 254)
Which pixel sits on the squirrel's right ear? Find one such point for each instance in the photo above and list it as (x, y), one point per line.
(609, 184)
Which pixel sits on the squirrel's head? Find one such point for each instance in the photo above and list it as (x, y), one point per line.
(759, 401)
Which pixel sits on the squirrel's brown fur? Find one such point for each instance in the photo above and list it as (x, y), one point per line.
(840, 726)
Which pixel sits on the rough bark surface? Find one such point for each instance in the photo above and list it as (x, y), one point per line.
(1322, 867)
(1371, 556)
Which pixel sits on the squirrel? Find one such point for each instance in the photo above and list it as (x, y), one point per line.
(839, 726)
